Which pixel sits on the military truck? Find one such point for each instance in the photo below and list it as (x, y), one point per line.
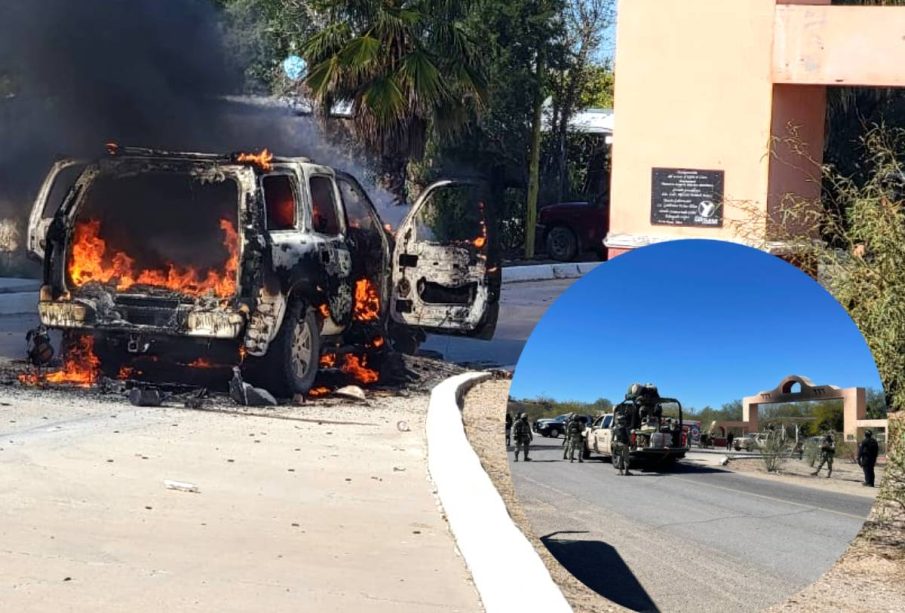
(656, 435)
(249, 258)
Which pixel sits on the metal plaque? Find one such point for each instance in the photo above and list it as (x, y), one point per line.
(687, 197)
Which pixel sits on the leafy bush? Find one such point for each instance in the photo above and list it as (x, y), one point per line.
(775, 451)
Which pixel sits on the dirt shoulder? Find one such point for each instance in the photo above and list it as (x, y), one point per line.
(324, 507)
(484, 417)
(870, 576)
(846, 479)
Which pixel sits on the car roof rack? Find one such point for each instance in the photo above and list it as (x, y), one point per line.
(114, 150)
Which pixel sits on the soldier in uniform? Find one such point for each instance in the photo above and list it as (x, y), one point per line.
(508, 428)
(574, 440)
(620, 444)
(522, 432)
(868, 451)
(565, 436)
(827, 453)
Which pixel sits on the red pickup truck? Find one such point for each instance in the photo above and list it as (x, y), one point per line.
(567, 229)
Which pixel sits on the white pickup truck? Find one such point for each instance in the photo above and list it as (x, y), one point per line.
(650, 440)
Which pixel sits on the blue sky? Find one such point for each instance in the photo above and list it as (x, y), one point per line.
(706, 321)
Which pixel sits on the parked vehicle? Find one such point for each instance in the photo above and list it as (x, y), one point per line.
(749, 442)
(179, 256)
(651, 439)
(567, 229)
(555, 426)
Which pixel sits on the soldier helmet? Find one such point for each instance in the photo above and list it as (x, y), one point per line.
(868, 433)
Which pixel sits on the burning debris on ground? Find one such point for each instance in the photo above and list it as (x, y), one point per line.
(423, 374)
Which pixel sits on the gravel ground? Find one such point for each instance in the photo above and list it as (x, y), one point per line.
(325, 506)
(484, 416)
(870, 576)
(846, 479)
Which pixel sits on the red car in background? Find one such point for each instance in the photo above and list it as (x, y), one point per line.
(567, 229)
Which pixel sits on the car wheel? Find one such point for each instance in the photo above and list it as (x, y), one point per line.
(562, 244)
(554, 433)
(291, 362)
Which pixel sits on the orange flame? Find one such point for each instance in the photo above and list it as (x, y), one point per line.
(480, 241)
(367, 301)
(324, 311)
(261, 160)
(125, 372)
(357, 367)
(377, 342)
(328, 360)
(89, 261)
(317, 392)
(80, 367)
(201, 363)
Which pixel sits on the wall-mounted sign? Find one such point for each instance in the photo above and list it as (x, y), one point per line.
(687, 197)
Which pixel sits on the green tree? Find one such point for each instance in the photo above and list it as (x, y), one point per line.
(598, 87)
(262, 33)
(828, 416)
(732, 410)
(406, 68)
(876, 404)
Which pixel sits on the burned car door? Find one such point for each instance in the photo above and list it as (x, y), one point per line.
(369, 245)
(446, 278)
(333, 255)
(50, 197)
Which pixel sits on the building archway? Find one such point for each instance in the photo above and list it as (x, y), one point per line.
(854, 404)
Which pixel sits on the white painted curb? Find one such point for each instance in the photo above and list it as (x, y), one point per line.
(546, 272)
(508, 573)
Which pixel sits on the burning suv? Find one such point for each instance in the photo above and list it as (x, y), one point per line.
(277, 264)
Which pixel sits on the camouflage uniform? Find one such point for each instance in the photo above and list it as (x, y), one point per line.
(574, 439)
(621, 452)
(827, 453)
(522, 433)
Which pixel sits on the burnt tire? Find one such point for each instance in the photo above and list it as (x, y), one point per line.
(562, 244)
(291, 362)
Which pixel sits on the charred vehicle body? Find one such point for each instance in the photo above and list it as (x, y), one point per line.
(279, 264)
(655, 427)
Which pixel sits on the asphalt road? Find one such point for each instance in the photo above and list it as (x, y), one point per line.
(697, 538)
(521, 306)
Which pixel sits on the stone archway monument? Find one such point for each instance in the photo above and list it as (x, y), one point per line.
(708, 93)
(854, 403)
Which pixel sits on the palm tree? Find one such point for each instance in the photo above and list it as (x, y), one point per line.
(407, 67)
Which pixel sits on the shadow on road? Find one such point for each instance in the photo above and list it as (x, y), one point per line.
(600, 567)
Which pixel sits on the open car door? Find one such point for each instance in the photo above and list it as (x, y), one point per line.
(446, 276)
(51, 195)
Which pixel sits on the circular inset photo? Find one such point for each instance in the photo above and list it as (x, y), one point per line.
(696, 425)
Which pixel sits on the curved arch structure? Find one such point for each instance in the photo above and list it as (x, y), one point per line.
(854, 403)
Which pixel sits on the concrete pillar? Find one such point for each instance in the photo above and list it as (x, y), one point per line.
(711, 94)
(854, 408)
(749, 413)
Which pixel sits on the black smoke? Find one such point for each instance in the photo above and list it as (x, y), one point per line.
(74, 75)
